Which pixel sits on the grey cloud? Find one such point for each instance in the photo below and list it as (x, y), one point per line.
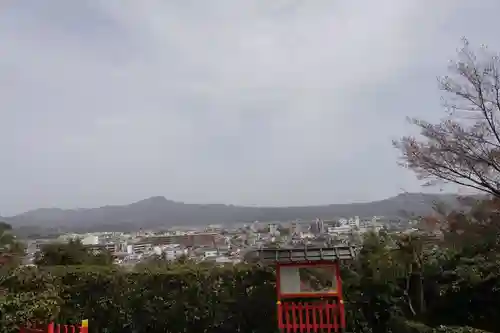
(244, 102)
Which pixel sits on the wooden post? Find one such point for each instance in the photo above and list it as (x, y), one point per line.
(278, 297)
(341, 308)
(50, 328)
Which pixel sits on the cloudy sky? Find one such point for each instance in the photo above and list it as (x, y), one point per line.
(252, 102)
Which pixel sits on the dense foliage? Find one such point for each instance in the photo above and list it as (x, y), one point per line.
(10, 249)
(72, 253)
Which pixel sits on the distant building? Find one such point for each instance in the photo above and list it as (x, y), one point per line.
(295, 228)
(354, 222)
(319, 226)
(340, 230)
(96, 248)
(273, 229)
(174, 252)
(210, 253)
(193, 240)
(140, 247)
(90, 240)
(214, 228)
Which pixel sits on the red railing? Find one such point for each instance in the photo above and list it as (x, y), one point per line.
(55, 328)
(310, 317)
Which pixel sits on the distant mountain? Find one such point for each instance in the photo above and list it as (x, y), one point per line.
(160, 212)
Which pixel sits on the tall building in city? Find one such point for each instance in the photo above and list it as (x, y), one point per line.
(319, 226)
(354, 222)
(273, 228)
(295, 228)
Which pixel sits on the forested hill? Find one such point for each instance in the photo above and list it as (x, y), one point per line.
(158, 211)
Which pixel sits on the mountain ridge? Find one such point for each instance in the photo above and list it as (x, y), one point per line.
(158, 211)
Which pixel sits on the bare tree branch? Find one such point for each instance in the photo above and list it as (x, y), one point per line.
(464, 147)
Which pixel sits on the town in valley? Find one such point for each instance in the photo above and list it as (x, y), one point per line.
(220, 244)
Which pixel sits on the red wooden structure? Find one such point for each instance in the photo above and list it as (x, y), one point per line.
(309, 288)
(57, 328)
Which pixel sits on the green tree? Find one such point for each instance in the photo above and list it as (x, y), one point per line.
(27, 297)
(374, 296)
(469, 273)
(11, 250)
(410, 252)
(72, 253)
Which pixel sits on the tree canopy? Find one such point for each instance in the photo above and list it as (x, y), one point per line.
(72, 253)
(11, 251)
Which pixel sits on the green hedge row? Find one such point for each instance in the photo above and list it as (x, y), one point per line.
(185, 299)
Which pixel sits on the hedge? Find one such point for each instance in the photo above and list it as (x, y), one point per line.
(187, 299)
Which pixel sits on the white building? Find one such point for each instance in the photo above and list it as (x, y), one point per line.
(140, 247)
(90, 240)
(342, 229)
(354, 222)
(210, 253)
(295, 228)
(173, 252)
(319, 225)
(157, 250)
(273, 229)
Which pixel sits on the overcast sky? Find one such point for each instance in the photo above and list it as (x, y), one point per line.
(251, 102)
